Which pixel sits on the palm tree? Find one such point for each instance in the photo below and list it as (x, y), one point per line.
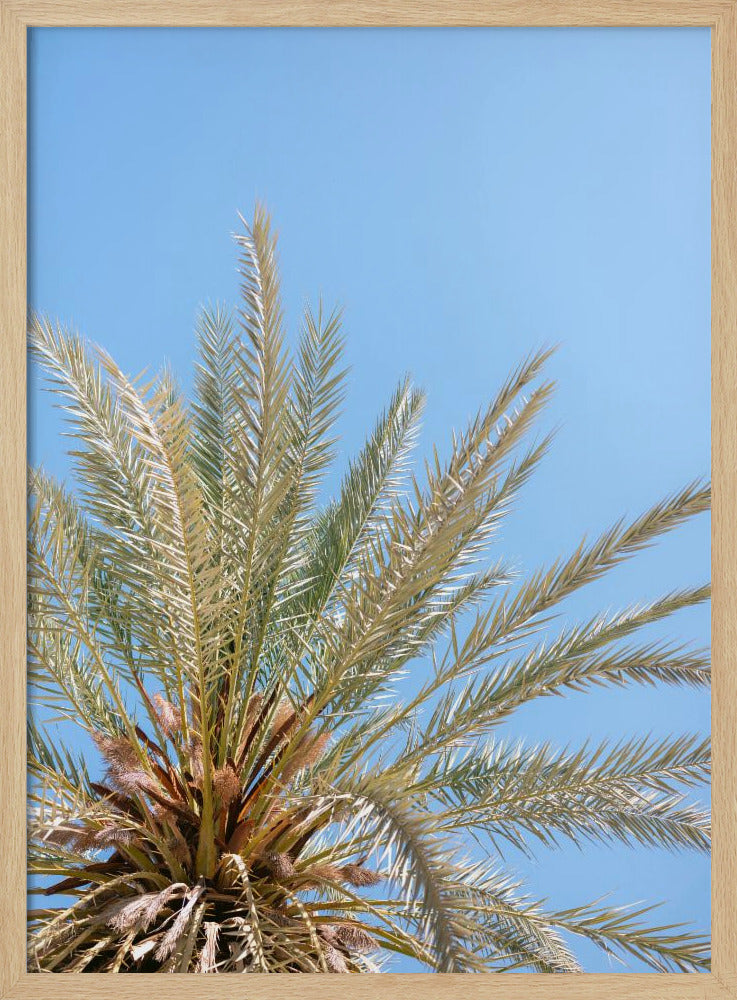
(232, 647)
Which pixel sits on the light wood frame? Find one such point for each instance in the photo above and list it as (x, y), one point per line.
(16, 16)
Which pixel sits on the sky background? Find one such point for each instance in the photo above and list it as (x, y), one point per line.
(467, 195)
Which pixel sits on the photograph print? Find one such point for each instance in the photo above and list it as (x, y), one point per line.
(368, 500)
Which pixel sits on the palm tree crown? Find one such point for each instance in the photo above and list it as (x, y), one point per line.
(232, 647)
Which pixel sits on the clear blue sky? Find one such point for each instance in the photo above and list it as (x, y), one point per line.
(466, 194)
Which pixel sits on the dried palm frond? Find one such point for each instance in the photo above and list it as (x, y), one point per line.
(208, 954)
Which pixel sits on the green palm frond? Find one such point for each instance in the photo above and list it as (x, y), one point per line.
(215, 411)
(620, 932)
(264, 795)
(630, 791)
(347, 526)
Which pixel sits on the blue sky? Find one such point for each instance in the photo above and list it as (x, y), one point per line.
(466, 195)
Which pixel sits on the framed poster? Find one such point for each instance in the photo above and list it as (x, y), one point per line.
(349, 645)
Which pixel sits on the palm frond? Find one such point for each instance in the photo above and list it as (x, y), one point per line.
(620, 931)
(630, 791)
(419, 863)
